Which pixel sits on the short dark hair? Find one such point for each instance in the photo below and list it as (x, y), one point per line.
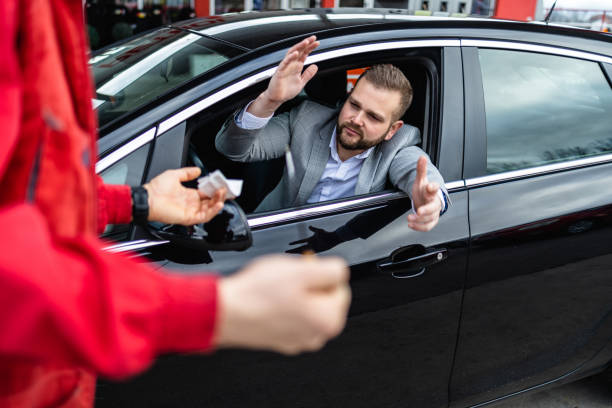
(387, 76)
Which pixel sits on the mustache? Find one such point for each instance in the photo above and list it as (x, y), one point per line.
(355, 129)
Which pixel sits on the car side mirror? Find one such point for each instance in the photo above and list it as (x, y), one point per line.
(227, 231)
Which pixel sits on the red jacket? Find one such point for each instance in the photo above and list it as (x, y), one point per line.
(67, 308)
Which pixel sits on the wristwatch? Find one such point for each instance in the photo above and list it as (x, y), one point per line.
(140, 205)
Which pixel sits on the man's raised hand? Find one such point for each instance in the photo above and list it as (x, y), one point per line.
(288, 80)
(427, 204)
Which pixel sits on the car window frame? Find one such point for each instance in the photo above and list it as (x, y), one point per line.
(260, 220)
(475, 155)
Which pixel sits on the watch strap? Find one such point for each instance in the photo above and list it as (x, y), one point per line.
(140, 205)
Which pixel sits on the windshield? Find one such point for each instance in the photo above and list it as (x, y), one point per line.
(135, 73)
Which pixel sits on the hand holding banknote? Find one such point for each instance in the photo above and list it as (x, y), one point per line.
(172, 203)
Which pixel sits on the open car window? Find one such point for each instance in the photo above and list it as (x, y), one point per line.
(329, 88)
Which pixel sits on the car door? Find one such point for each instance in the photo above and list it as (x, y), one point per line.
(538, 170)
(398, 345)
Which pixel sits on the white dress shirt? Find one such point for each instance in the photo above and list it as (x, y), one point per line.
(339, 177)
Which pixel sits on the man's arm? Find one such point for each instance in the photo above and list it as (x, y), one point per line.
(412, 172)
(67, 301)
(243, 136)
(74, 304)
(169, 201)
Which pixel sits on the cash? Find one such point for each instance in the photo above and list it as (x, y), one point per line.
(216, 180)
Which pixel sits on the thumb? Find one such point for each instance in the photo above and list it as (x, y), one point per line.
(421, 169)
(432, 188)
(309, 73)
(188, 173)
(325, 273)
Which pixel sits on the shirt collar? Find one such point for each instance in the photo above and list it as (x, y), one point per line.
(334, 150)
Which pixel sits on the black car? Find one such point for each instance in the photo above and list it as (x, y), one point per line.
(511, 292)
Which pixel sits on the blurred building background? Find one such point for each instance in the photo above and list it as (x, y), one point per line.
(113, 20)
(590, 14)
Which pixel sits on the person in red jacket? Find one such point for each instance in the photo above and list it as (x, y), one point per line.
(70, 311)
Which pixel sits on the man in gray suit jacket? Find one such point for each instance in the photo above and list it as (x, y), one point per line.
(337, 154)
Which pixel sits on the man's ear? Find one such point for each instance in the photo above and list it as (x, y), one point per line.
(394, 128)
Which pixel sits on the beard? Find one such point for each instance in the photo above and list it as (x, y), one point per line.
(360, 143)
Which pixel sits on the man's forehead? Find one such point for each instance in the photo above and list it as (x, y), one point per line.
(379, 100)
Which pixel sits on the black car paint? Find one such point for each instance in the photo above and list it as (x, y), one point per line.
(522, 300)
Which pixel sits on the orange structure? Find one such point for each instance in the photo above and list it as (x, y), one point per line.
(202, 8)
(523, 10)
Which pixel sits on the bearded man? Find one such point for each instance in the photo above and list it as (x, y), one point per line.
(337, 154)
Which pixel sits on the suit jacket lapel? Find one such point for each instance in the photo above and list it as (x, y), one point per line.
(368, 171)
(316, 162)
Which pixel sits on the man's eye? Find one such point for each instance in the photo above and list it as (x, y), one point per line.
(354, 105)
(373, 117)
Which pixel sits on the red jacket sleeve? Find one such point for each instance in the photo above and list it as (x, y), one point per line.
(73, 303)
(67, 301)
(10, 83)
(114, 204)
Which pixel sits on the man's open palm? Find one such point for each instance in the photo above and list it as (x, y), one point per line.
(289, 79)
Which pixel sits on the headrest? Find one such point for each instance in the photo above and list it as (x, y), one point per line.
(328, 88)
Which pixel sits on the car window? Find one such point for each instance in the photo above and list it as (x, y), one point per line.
(128, 170)
(135, 73)
(328, 88)
(543, 109)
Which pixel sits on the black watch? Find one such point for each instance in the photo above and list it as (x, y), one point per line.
(140, 205)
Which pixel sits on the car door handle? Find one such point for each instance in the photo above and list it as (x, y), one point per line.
(415, 266)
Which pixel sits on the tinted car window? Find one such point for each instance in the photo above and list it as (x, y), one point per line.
(128, 170)
(135, 73)
(543, 109)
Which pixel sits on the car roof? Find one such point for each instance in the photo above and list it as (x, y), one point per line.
(254, 30)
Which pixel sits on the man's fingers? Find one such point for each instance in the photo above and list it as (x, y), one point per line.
(432, 207)
(302, 49)
(289, 58)
(188, 173)
(325, 273)
(304, 43)
(422, 227)
(432, 188)
(305, 52)
(422, 219)
(337, 301)
(309, 73)
(421, 169)
(219, 195)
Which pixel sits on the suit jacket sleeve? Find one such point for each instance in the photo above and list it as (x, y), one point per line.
(267, 143)
(402, 171)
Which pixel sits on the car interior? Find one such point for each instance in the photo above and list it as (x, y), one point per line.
(328, 87)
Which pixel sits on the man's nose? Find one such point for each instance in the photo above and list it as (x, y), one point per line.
(358, 118)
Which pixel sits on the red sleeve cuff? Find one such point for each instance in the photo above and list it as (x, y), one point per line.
(114, 204)
(118, 203)
(188, 318)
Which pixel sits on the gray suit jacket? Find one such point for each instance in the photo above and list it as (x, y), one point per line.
(307, 129)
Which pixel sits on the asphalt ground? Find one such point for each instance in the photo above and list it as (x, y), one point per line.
(591, 392)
